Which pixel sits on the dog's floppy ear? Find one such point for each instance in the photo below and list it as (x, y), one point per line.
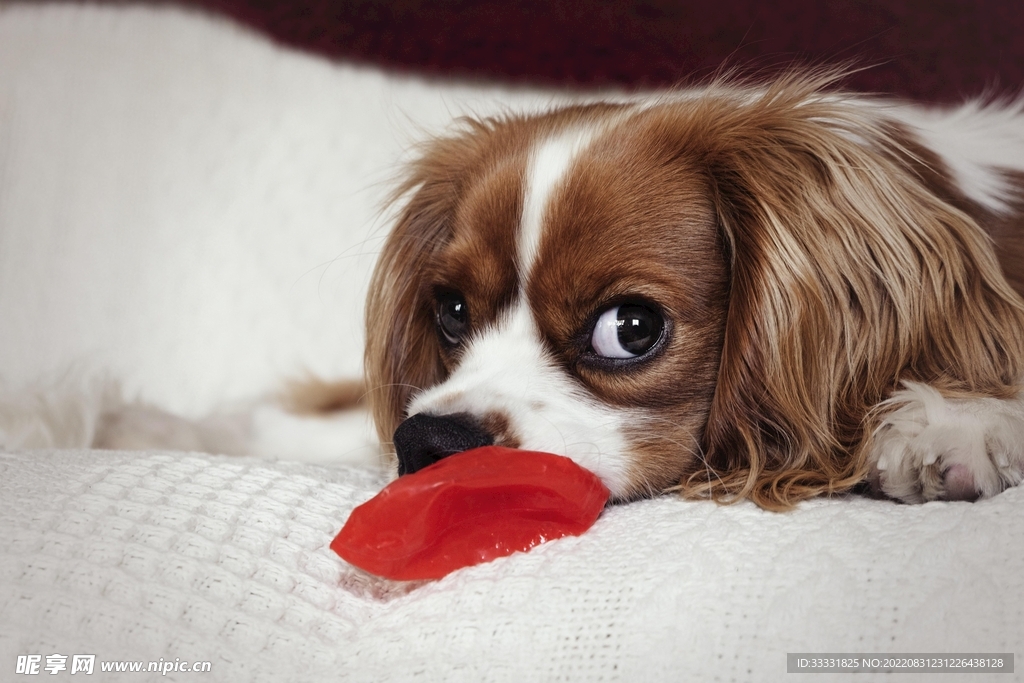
(848, 275)
(402, 354)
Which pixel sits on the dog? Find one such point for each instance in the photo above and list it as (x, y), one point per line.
(749, 290)
(764, 291)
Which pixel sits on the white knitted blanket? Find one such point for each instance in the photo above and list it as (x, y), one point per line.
(172, 557)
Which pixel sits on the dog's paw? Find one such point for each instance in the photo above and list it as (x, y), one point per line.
(929, 447)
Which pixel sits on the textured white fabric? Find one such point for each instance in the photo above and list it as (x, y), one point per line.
(142, 556)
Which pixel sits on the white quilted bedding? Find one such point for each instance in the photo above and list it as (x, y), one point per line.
(149, 556)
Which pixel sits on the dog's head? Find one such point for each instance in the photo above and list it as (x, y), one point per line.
(708, 289)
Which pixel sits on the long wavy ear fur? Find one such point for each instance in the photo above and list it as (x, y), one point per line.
(402, 354)
(401, 347)
(848, 276)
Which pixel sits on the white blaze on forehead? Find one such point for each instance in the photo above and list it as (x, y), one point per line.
(506, 370)
(545, 174)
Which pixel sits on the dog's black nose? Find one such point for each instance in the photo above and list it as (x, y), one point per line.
(424, 439)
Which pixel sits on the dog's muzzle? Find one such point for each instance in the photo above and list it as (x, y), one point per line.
(424, 439)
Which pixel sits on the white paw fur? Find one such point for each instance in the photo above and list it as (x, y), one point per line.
(931, 447)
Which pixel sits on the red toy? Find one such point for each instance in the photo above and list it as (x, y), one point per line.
(469, 508)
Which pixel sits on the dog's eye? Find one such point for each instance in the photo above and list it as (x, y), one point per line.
(626, 331)
(452, 317)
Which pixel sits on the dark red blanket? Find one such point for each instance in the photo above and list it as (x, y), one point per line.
(938, 50)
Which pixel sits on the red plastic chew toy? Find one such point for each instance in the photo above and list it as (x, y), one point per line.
(470, 508)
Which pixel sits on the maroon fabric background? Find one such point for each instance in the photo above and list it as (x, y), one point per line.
(939, 50)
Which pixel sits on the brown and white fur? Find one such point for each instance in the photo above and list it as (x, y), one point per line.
(838, 277)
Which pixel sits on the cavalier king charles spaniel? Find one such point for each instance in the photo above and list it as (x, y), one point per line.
(765, 292)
